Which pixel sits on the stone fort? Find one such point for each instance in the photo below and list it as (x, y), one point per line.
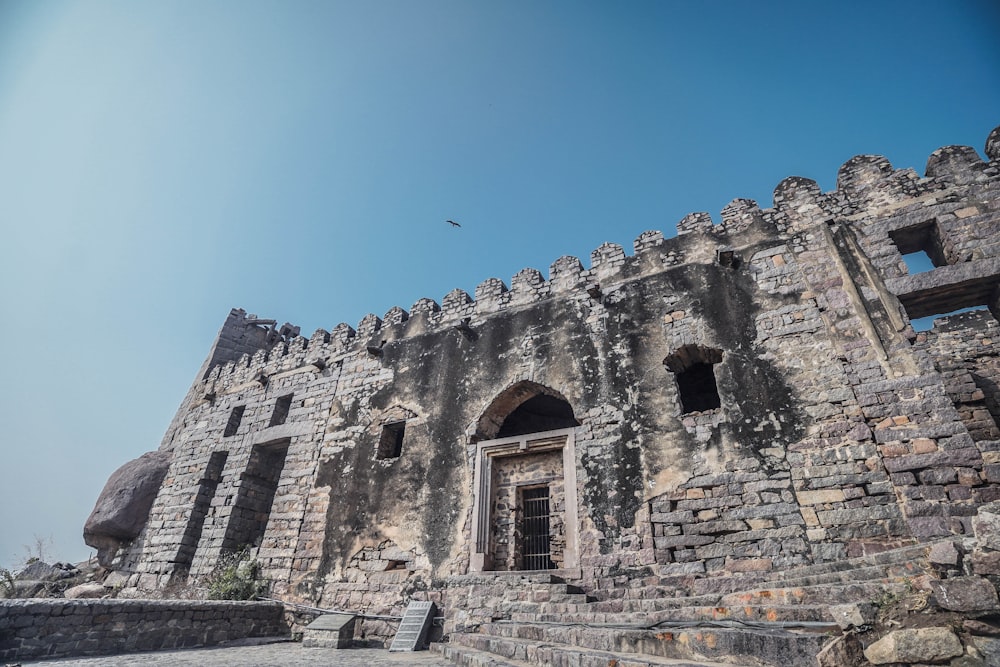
(745, 399)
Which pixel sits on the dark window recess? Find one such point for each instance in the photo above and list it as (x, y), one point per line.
(698, 389)
(235, 417)
(535, 536)
(921, 246)
(202, 507)
(694, 369)
(991, 395)
(281, 407)
(390, 444)
(252, 507)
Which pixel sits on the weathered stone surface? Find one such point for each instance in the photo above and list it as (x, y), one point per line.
(123, 506)
(986, 562)
(28, 588)
(330, 631)
(841, 651)
(987, 649)
(852, 615)
(909, 646)
(820, 497)
(986, 526)
(944, 553)
(41, 571)
(980, 628)
(965, 594)
(89, 590)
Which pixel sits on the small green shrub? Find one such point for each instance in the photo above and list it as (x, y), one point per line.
(236, 577)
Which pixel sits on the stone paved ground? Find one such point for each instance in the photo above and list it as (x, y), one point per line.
(285, 654)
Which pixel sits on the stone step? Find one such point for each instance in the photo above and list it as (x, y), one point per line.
(869, 573)
(879, 565)
(751, 613)
(492, 651)
(775, 647)
(828, 594)
(817, 594)
(907, 554)
(903, 562)
(505, 608)
(544, 595)
(513, 578)
(803, 613)
(662, 599)
(471, 657)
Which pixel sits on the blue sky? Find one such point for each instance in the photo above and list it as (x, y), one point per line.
(161, 163)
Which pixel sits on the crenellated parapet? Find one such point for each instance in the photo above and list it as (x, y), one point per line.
(869, 191)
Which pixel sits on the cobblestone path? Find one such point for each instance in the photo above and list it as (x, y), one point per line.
(284, 654)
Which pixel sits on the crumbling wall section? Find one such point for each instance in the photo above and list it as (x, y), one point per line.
(965, 351)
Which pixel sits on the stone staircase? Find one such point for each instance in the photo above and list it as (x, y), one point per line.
(755, 620)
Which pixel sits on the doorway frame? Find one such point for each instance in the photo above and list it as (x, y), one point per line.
(480, 558)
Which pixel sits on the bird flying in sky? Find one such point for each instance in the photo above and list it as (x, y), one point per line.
(453, 223)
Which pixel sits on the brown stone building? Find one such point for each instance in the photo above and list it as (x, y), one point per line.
(748, 396)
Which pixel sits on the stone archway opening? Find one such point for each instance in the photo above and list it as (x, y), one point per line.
(542, 412)
(524, 407)
(525, 497)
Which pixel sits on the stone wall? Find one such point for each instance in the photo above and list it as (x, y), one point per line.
(36, 629)
(748, 395)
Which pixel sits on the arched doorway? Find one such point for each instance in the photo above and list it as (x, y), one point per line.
(525, 499)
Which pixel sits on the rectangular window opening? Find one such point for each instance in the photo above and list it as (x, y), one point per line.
(281, 408)
(698, 389)
(918, 262)
(235, 417)
(390, 444)
(921, 247)
(927, 323)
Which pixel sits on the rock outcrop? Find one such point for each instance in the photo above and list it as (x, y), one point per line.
(123, 506)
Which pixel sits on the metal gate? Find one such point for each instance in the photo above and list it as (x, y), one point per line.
(535, 538)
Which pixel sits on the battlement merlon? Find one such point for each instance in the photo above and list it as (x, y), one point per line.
(865, 183)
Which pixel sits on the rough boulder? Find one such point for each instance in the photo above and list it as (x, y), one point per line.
(123, 506)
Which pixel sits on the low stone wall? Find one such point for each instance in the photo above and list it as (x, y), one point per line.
(40, 628)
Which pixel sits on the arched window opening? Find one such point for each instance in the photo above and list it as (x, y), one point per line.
(539, 413)
(522, 408)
